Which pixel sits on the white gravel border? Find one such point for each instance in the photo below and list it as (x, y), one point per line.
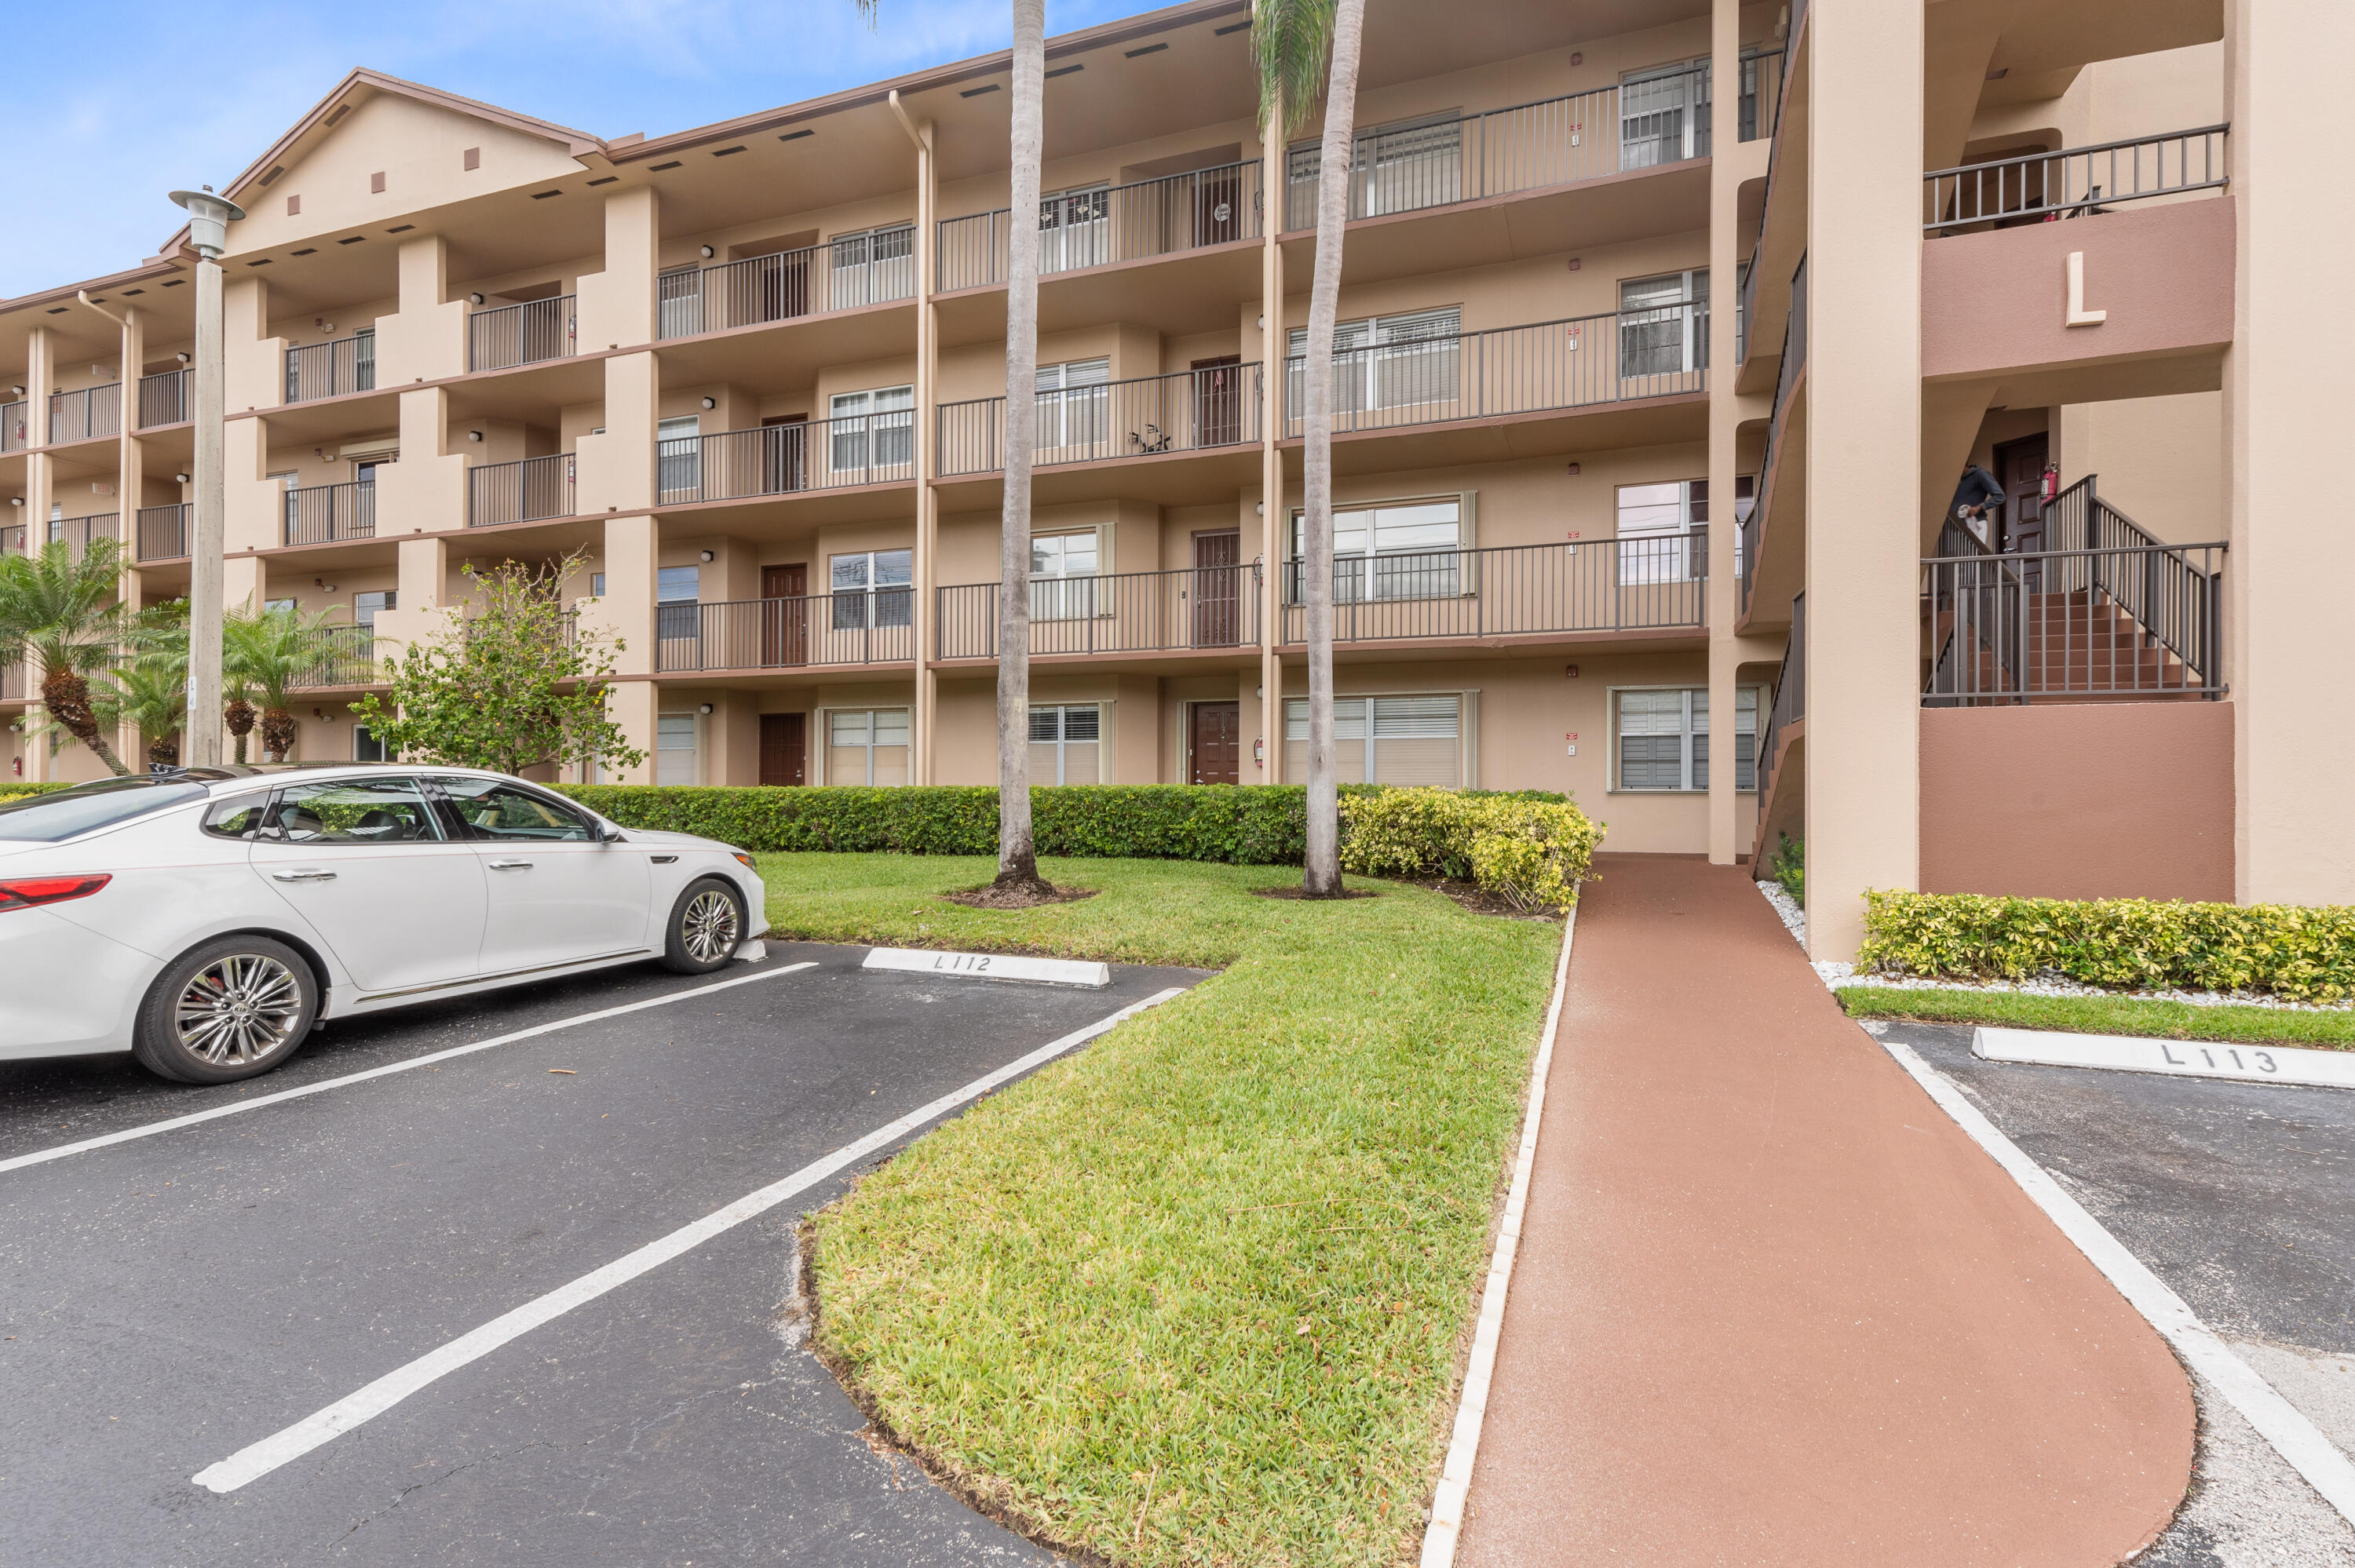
(1835, 975)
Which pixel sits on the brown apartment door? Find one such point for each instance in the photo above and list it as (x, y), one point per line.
(1218, 401)
(2019, 469)
(784, 749)
(784, 615)
(1217, 206)
(1217, 742)
(784, 456)
(1217, 590)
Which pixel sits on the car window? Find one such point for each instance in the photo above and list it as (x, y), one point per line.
(354, 812)
(49, 819)
(238, 818)
(494, 809)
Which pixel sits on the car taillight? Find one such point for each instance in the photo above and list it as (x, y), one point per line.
(24, 892)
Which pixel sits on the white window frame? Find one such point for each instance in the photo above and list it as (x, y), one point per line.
(828, 746)
(694, 747)
(1455, 574)
(1651, 555)
(1061, 741)
(1466, 712)
(1640, 346)
(1074, 406)
(362, 739)
(1061, 594)
(877, 441)
(1762, 701)
(860, 599)
(870, 267)
(678, 456)
(1075, 228)
(1405, 360)
(1647, 95)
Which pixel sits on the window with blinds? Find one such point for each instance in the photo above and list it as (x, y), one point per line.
(1399, 167)
(1066, 743)
(1064, 575)
(1410, 363)
(678, 458)
(1664, 114)
(1663, 739)
(1413, 740)
(1399, 550)
(871, 266)
(1664, 325)
(872, 587)
(1074, 405)
(866, 747)
(1075, 228)
(873, 431)
(674, 748)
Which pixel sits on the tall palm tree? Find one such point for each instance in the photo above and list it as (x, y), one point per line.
(266, 653)
(1290, 41)
(150, 691)
(61, 615)
(1018, 857)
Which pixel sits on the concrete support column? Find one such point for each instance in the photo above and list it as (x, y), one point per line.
(130, 465)
(616, 306)
(926, 574)
(633, 549)
(41, 380)
(425, 340)
(1864, 437)
(615, 472)
(254, 363)
(2288, 386)
(1724, 592)
(1270, 547)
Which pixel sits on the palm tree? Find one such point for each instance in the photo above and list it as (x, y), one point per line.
(266, 653)
(1290, 42)
(236, 709)
(1018, 857)
(149, 690)
(61, 614)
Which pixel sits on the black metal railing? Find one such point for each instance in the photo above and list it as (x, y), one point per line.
(1111, 223)
(12, 682)
(332, 368)
(842, 274)
(86, 414)
(1639, 125)
(523, 491)
(339, 656)
(1123, 613)
(779, 459)
(322, 514)
(1189, 410)
(1569, 363)
(1646, 582)
(76, 533)
(12, 540)
(507, 335)
(164, 531)
(1795, 359)
(1761, 91)
(16, 425)
(2075, 182)
(2105, 610)
(166, 399)
(865, 627)
(1790, 703)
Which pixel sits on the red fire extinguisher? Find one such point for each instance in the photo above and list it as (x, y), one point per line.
(2051, 486)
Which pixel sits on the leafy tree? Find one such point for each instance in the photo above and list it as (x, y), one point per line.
(61, 617)
(148, 690)
(268, 652)
(1291, 43)
(511, 684)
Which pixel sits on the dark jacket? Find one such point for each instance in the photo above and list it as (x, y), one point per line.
(1977, 486)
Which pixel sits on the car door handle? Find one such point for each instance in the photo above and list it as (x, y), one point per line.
(510, 865)
(305, 874)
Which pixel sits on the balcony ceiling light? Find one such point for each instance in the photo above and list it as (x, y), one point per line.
(712, 402)
(705, 251)
(473, 298)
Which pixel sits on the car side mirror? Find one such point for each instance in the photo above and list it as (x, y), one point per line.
(607, 834)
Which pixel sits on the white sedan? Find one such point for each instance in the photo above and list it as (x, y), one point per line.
(206, 919)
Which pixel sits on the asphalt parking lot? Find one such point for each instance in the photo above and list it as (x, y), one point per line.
(2240, 1197)
(171, 1301)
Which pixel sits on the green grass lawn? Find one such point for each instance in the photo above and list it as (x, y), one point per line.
(2104, 1015)
(1195, 1295)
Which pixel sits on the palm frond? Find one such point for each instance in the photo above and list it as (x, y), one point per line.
(1291, 41)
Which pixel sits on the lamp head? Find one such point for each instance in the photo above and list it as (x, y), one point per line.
(209, 219)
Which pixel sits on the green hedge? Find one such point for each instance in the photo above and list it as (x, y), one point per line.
(1248, 824)
(2302, 953)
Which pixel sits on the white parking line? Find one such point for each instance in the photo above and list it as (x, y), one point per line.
(43, 1155)
(2294, 1437)
(259, 1460)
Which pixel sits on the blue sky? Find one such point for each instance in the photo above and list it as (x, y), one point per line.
(98, 148)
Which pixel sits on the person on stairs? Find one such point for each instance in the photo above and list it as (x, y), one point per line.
(1978, 494)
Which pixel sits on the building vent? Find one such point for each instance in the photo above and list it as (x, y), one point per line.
(474, 157)
(725, 152)
(658, 168)
(294, 205)
(341, 109)
(796, 135)
(375, 183)
(275, 170)
(1064, 70)
(1147, 49)
(977, 91)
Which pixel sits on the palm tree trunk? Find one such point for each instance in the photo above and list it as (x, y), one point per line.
(66, 696)
(1017, 860)
(1321, 874)
(239, 716)
(279, 729)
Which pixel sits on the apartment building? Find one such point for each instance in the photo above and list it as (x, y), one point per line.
(1668, 327)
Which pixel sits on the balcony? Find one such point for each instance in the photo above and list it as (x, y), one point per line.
(12, 682)
(12, 540)
(1782, 750)
(324, 514)
(1191, 410)
(1761, 92)
(2107, 613)
(86, 414)
(332, 369)
(530, 490)
(16, 425)
(1782, 479)
(2076, 181)
(339, 656)
(1519, 592)
(1109, 224)
(842, 274)
(163, 532)
(1196, 609)
(508, 335)
(74, 533)
(817, 631)
(785, 459)
(166, 399)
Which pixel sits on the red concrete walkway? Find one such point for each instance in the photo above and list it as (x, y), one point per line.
(1771, 1307)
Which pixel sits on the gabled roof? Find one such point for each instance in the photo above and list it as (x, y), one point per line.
(329, 110)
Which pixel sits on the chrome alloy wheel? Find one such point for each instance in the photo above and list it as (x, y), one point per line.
(708, 928)
(238, 1010)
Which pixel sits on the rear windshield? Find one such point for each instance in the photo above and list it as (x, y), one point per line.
(46, 818)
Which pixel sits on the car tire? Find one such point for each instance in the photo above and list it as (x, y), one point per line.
(228, 1009)
(706, 928)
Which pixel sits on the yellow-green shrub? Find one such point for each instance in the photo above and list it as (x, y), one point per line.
(2299, 953)
(1532, 852)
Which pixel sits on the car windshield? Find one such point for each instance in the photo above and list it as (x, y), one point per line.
(48, 818)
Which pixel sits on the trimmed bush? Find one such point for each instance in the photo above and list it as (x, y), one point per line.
(1529, 851)
(2306, 954)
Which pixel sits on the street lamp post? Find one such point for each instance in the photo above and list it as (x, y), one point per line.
(209, 219)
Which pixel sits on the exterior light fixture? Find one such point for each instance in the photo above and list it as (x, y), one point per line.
(712, 402)
(705, 252)
(182, 477)
(473, 435)
(473, 298)
(710, 556)
(20, 391)
(182, 358)
(16, 501)
(704, 709)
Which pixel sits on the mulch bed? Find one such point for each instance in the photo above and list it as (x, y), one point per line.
(994, 897)
(1295, 892)
(1480, 901)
